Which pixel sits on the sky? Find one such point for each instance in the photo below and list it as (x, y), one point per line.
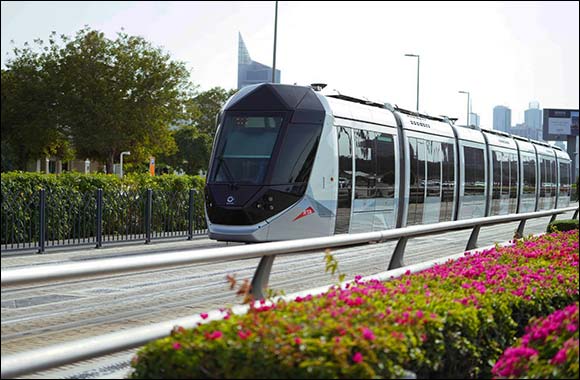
(502, 53)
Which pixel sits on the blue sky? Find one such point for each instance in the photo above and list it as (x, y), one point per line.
(507, 53)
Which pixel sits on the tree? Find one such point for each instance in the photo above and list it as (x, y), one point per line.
(120, 95)
(206, 106)
(194, 137)
(30, 125)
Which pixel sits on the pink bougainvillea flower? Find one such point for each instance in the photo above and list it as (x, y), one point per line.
(560, 357)
(368, 334)
(214, 335)
(357, 357)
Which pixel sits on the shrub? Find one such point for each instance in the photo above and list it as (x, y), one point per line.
(563, 225)
(451, 321)
(549, 349)
(70, 203)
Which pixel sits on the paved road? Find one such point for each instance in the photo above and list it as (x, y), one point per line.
(39, 315)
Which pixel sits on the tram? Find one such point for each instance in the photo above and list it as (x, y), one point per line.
(292, 162)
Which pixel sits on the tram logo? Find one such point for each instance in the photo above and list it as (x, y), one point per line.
(304, 213)
(230, 200)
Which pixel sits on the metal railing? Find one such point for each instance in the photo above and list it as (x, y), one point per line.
(46, 219)
(50, 357)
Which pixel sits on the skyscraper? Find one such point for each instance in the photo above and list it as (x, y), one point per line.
(502, 118)
(533, 118)
(252, 72)
(474, 119)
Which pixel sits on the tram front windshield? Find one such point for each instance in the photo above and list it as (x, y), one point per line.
(245, 148)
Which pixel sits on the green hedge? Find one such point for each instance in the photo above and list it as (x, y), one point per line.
(27, 182)
(451, 321)
(563, 225)
(71, 204)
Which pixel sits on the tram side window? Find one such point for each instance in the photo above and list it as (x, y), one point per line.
(564, 179)
(375, 165)
(448, 186)
(554, 177)
(529, 174)
(344, 166)
(344, 180)
(505, 174)
(548, 178)
(513, 176)
(474, 171)
(412, 180)
(497, 180)
(434, 161)
(543, 177)
(385, 172)
(416, 181)
(513, 185)
(365, 181)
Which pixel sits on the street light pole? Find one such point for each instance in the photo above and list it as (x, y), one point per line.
(121, 159)
(418, 62)
(466, 92)
(275, 37)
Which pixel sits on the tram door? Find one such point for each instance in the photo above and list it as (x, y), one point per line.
(431, 181)
(367, 182)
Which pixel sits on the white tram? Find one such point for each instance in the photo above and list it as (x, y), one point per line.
(289, 162)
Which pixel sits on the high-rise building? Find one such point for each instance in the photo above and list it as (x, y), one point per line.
(474, 119)
(252, 72)
(524, 131)
(502, 118)
(533, 118)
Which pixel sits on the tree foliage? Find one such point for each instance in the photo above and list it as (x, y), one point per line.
(102, 95)
(125, 91)
(194, 137)
(31, 126)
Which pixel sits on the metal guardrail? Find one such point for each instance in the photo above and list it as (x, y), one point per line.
(44, 219)
(23, 363)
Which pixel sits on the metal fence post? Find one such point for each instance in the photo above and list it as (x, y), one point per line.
(397, 258)
(42, 221)
(520, 231)
(261, 277)
(148, 204)
(472, 243)
(99, 218)
(190, 214)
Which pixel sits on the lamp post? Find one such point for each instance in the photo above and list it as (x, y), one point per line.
(275, 35)
(121, 159)
(466, 92)
(418, 61)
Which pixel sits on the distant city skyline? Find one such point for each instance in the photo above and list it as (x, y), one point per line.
(525, 50)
